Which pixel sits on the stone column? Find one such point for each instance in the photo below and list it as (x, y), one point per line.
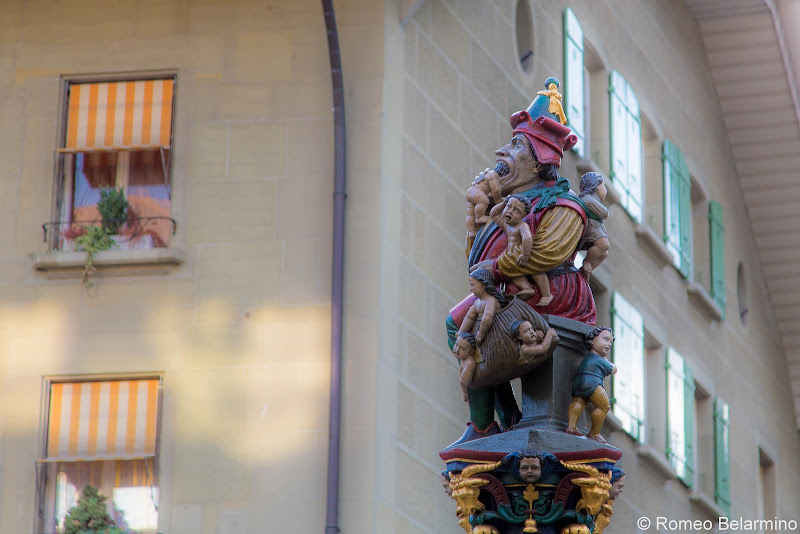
(547, 390)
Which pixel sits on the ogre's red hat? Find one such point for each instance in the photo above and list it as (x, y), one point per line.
(549, 138)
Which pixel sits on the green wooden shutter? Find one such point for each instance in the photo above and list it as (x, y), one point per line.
(626, 144)
(573, 86)
(628, 354)
(722, 491)
(717, 241)
(618, 132)
(688, 423)
(677, 208)
(636, 190)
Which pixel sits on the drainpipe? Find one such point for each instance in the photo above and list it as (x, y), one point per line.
(337, 271)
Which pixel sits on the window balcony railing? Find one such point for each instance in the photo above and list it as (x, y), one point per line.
(135, 232)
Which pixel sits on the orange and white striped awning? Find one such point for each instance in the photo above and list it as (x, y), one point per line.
(119, 115)
(102, 420)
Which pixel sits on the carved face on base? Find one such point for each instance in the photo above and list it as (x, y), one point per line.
(530, 469)
(523, 174)
(446, 486)
(616, 488)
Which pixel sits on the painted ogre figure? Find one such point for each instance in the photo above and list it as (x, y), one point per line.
(528, 165)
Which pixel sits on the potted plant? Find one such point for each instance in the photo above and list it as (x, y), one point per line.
(113, 208)
(90, 515)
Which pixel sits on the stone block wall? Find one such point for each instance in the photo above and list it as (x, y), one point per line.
(241, 330)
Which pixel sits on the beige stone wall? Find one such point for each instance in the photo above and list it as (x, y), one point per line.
(241, 330)
(447, 104)
(447, 108)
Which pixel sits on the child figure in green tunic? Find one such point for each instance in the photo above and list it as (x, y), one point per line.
(588, 384)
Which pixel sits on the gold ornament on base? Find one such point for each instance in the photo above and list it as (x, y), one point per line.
(466, 491)
(575, 529)
(603, 519)
(530, 495)
(594, 488)
(530, 526)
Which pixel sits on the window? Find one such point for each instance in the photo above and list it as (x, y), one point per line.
(767, 501)
(574, 94)
(704, 452)
(722, 469)
(653, 169)
(628, 383)
(717, 248)
(524, 27)
(104, 434)
(701, 244)
(117, 135)
(656, 389)
(742, 294)
(595, 99)
(680, 417)
(626, 145)
(677, 209)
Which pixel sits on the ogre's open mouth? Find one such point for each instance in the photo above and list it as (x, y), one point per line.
(502, 168)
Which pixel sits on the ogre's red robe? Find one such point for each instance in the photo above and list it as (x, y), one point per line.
(556, 234)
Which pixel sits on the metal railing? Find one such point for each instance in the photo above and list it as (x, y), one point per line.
(135, 226)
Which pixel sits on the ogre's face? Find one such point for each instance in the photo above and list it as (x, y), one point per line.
(522, 167)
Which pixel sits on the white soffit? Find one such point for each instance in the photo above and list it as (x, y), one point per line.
(748, 43)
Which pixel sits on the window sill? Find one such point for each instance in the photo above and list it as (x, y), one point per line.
(700, 298)
(706, 504)
(615, 425)
(69, 264)
(656, 460)
(653, 245)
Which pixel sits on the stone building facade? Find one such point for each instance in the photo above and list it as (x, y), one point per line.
(226, 322)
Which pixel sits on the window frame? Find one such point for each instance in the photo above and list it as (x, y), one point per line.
(45, 508)
(61, 208)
